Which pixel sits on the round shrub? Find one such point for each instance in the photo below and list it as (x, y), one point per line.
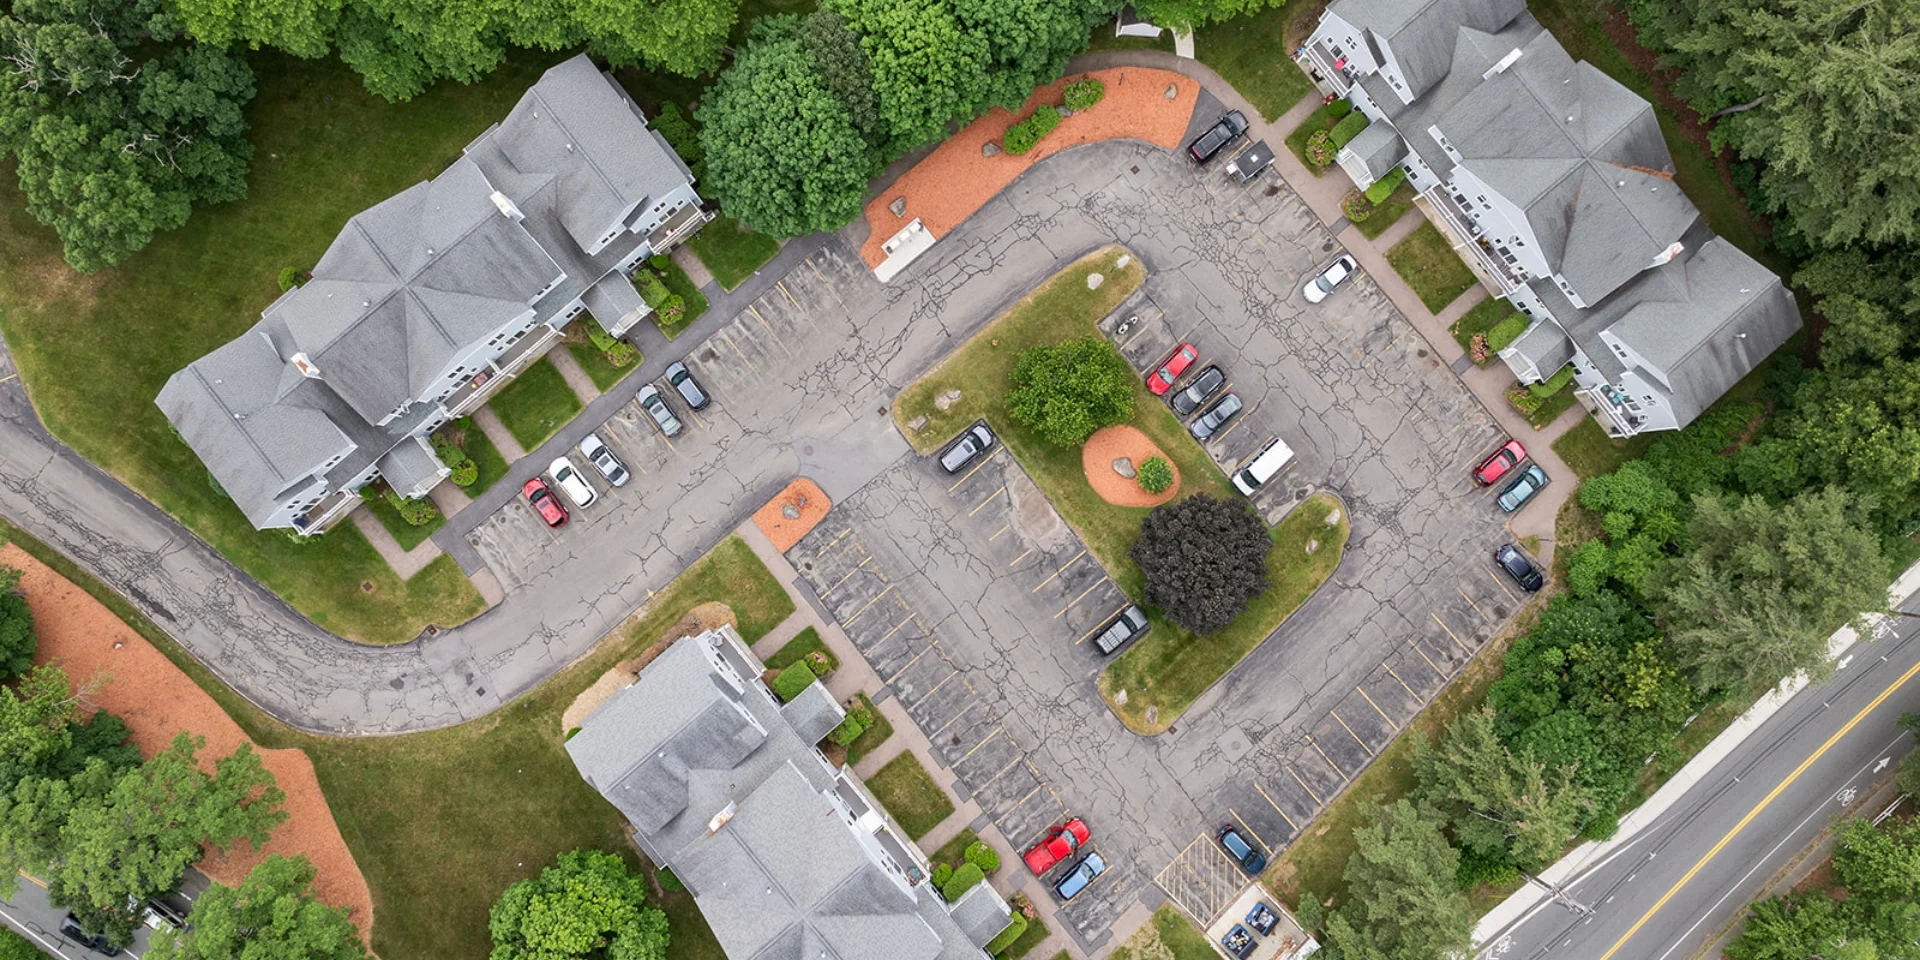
(791, 681)
(673, 307)
(1356, 206)
(817, 662)
(1083, 94)
(1339, 107)
(417, 513)
(659, 261)
(963, 879)
(1320, 149)
(289, 278)
(669, 882)
(1025, 135)
(941, 874)
(1155, 475)
(983, 856)
(1203, 559)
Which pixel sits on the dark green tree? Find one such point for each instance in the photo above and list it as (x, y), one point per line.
(928, 71)
(304, 28)
(1401, 900)
(1203, 560)
(1909, 778)
(17, 640)
(1028, 42)
(1183, 15)
(271, 914)
(1499, 803)
(782, 154)
(1799, 928)
(678, 36)
(588, 905)
(843, 68)
(1066, 391)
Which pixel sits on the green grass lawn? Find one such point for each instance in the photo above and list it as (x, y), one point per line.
(1482, 318)
(730, 251)
(536, 404)
(16, 947)
(596, 365)
(489, 465)
(1170, 936)
(1427, 262)
(441, 822)
(1166, 670)
(1590, 452)
(1551, 408)
(871, 740)
(910, 795)
(793, 651)
(1250, 52)
(1387, 212)
(1028, 939)
(678, 282)
(408, 535)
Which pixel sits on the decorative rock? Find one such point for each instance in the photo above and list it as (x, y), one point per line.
(1094, 281)
(1124, 467)
(989, 149)
(916, 423)
(1173, 91)
(1120, 698)
(1313, 545)
(1333, 518)
(790, 511)
(945, 401)
(1123, 261)
(898, 206)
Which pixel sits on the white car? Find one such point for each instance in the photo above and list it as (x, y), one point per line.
(603, 460)
(572, 483)
(1334, 275)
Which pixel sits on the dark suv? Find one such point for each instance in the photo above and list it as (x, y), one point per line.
(70, 928)
(1242, 852)
(1121, 630)
(1519, 567)
(1208, 145)
(1198, 392)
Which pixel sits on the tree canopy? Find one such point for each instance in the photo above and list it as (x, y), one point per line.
(1066, 391)
(1401, 900)
(587, 905)
(1498, 803)
(272, 914)
(1204, 559)
(17, 639)
(1878, 918)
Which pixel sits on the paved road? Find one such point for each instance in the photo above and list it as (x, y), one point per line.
(1670, 891)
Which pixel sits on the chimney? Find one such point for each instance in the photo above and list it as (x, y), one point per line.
(1673, 250)
(1502, 65)
(305, 366)
(720, 819)
(506, 206)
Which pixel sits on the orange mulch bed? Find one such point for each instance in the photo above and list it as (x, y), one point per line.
(807, 499)
(158, 700)
(1111, 443)
(955, 180)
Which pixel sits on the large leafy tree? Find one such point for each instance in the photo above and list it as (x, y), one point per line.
(1498, 803)
(843, 68)
(678, 36)
(782, 154)
(17, 640)
(1066, 391)
(110, 150)
(1028, 42)
(304, 28)
(1203, 559)
(1910, 767)
(587, 905)
(928, 71)
(1184, 15)
(1766, 584)
(1402, 903)
(272, 914)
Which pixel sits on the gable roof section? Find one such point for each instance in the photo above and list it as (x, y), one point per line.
(982, 914)
(1421, 33)
(813, 714)
(1706, 320)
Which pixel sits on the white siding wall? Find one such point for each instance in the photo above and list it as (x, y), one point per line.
(1501, 222)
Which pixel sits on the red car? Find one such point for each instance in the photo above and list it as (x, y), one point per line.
(541, 498)
(1494, 467)
(1177, 364)
(1059, 844)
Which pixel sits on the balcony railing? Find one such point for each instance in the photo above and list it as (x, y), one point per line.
(1615, 417)
(1320, 63)
(1494, 271)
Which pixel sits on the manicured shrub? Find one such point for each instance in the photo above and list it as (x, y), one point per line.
(289, 278)
(660, 262)
(669, 882)
(1552, 385)
(672, 308)
(983, 856)
(819, 664)
(1008, 936)
(1083, 94)
(463, 470)
(1320, 149)
(1384, 187)
(1025, 135)
(416, 513)
(652, 289)
(1348, 128)
(963, 879)
(1155, 475)
(795, 678)
(942, 872)
(1507, 331)
(619, 352)
(848, 731)
(1338, 107)
(1357, 207)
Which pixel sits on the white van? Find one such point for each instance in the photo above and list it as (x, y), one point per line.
(1263, 466)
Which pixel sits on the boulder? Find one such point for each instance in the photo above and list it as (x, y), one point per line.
(1094, 281)
(916, 423)
(989, 149)
(1123, 261)
(1173, 91)
(1124, 467)
(945, 401)
(898, 206)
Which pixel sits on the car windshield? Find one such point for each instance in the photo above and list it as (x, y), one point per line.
(1325, 285)
(1235, 845)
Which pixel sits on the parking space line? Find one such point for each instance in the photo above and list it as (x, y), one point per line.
(1402, 683)
(1017, 804)
(990, 735)
(769, 328)
(1349, 730)
(1415, 644)
(736, 349)
(1249, 828)
(1456, 638)
(1475, 606)
(1502, 586)
(1276, 808)
(849, 576)
(1329, 760)
(1022, 556)
(1376, 708)
(977, 468)
(782, 284)
(823, 550)
(1243, 419)
(977, 507)
(1303, 785)
(1003, 770)
(963, 711)
(997, 533)
(1063, 569)
(943, 682)
(1101, 622)
(870, 603)
(896, 629)
(1082, 596)
(916, 659)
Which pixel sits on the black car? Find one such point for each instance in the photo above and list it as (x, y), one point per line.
(1123, 629)
(681, 379)
(1198, 392)
(70, 928)
(1223, 409)
(966, 448)
(1243, 853)
(1517, 566)
(1208, 145)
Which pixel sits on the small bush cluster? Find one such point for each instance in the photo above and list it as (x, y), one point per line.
(1480, 349)
(983, 856)
(678, 129)
(417, 513)
(1008, 936)
(669, 882)
(463, 470)
(1357, 207)
(290, 278)
(858, 720)
(1523, 399)
(1384, 187)
(1083, 94)
(942, 872)
(964, 878)
(819, 664)
(1348, 128)
(1025, 135)
(1320, 149)
(1338, 107)
(619, 352)
(1507, 331)
(791, 681)
(1552, 385)
(1155, 475)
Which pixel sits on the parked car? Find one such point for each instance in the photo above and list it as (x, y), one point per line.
(541, 498)
(1238, 942)
(656, 407)
(1058, 845)
(1081, 876)
(1176, 364)
(70, 928)
(966, 448)
(571, 483)
(1496, 466)
(690, 390)
(1209, 144)
(1242, 852)
(158, 914)
(1198, 392)
(1517, 493)
(601, 456)
(1336, 273)
(1209, 423)
(1519, 567)
(1126, 626)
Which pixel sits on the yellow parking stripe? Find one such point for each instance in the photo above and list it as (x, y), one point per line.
(997, 533)
(988, 459)
(1402, 683)
(1276, 809)
(1475, 606)
(1063, 569)
(1456, 639)
(849, 576)
(1376, 709)
(1349, 730)
(1415, 644)
(1303, 785)
(1329, 760)
(982, 504)
(1022, 556)
(830, 543)
(990, 735)
(1082, 596)
(870, 603)
(1249, 827)
(1503, 587)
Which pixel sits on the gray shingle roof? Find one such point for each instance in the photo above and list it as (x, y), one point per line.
(409, 465)
(814, 713)
(1421, 32)
(1546, 346)
(982, 914)
(1380, 148)
(613, 301)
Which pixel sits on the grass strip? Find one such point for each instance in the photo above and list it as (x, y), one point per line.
(1427, 262)
(876, 735)
(904, 787)
(536, 404)
(731, 252)
(404, 533)
(803, 643)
